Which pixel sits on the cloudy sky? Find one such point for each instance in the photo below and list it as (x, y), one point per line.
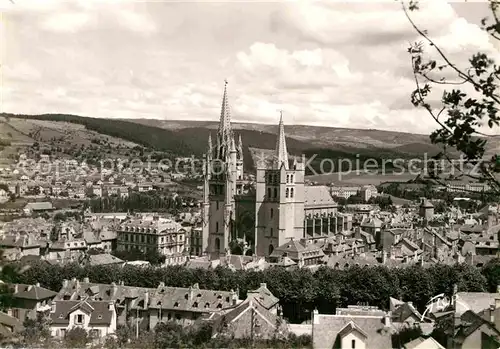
(324, 63)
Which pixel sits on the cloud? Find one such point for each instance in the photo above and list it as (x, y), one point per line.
(323, 63)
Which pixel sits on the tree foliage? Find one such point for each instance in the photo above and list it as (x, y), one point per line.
(300, 291)
(469, 103)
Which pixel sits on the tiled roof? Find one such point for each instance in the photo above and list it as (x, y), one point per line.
(34, 292)
(18, 240)
(318, 196)
(264, 296)
(192, 299)
(475, 301)
(100, 313)
(163, 297)
(104, 259)
(326, 330)
(39, 206)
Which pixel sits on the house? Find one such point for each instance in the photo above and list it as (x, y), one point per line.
(404, 312)
(96, 317)
(250, 318)
(469, 330)
(21, 245)
(301, 252)
(28, 300)
(37, 207)
(266, 298)
(149, 306)
(9, 326)
(364, 330)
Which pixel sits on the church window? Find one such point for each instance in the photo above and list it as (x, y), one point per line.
(271, 249)
(291, 192)
(353, 344)
(287, 194)
(269, 193)
(217, 244)
(275, 192)
(216, 227)
(272, 213)
(217, 205)
(291, 178)
(287, 179)
(272, 231)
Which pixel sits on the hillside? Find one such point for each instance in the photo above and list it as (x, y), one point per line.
(186, 138)
(148, 136)
(343, 139)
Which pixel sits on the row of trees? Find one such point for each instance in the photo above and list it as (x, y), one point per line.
(300, 291)
(136, 201)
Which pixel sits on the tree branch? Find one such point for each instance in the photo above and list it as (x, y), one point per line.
(443, 56)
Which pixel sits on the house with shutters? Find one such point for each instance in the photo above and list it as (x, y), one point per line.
(98, 318)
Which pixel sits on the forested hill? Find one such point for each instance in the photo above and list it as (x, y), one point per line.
(148, 136)
(193, 140)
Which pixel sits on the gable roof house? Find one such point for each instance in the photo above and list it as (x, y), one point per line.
(28, 300)
(96, 317)
(364, 330)
(249, 318)
(37, 207)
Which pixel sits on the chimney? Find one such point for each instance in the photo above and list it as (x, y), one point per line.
(387, 319)
(111, 305)
(122, 283)
(86, 280)
(497, 298)
(53, 307)
(114, 289)
(77, 285)
(37, 284)
(384, 257)
(234, 297)
(65, 283)
(492, 314)
(16, 288)
(146, 300)
(263, 285)
(315, 317)
(196, 286)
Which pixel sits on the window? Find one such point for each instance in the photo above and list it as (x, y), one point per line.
(269, 193)
(272, 213)
(291, 192)
(353, 344)
(15, 313)
(217, 205)
(275, 192)
(79, 319)
(287, 193)
(216, 227)
(271, 231)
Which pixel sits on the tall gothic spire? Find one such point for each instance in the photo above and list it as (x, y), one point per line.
(225, 133)
(225, 116)
(281, 155)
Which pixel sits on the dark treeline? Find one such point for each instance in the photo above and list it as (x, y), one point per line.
(300, 291)
(139, 202)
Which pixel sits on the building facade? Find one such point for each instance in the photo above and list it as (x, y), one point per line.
(255, 217)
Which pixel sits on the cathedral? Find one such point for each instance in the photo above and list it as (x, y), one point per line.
(256, 214)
